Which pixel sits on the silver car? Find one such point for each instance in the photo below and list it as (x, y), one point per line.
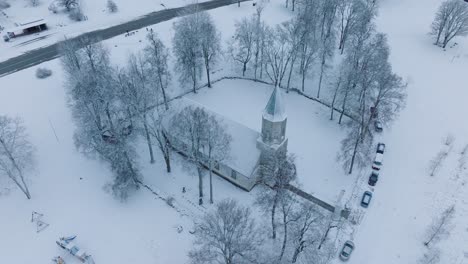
(348, 248)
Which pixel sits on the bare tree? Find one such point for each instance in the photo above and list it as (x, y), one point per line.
(327, 39)
(186, 46)
(241, 47)
(309, 42)
(157, 133)
(16, 152)
(189, 127)
(451, 20)
(217, 146)
(430, 257)
(287, 207)
(277, 171)
(350, 14)
(436, 163)
(103, 124)
(277, 54)
(440, 227)
(306, 230)
(157, 55)
(210, 42)
(355, 147)
(139, 93)
(228, 235)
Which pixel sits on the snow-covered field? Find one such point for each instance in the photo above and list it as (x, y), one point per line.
(406, 198)
(70, 189)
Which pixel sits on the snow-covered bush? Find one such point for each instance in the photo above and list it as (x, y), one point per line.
(170, 201)
(53, 8)
(112, 6)
(42, 73)
(76, 14)
(34, 2)
(4, 4)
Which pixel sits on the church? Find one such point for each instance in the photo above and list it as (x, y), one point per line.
(247, 146)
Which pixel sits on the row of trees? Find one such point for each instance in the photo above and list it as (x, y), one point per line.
(111, 105)
(231, 235)
(307, 44)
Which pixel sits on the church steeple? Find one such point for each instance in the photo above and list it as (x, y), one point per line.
(275, 110)
(274, 120)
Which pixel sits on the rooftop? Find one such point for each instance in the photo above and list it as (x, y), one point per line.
(244, 154)
(275, 109)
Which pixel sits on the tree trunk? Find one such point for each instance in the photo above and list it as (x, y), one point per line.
(356, 145)
(322, 70)
(244, 68)
(200, 184)
(290, 73)
(334, 99)
(211, 182)
(207, 64)
(344, 105)
(285, 237)
(148, 139)
(163, 90)
(273, 211)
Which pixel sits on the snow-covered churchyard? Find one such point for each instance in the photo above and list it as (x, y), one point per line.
(96, 178)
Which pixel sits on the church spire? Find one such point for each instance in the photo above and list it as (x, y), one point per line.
(275, 110)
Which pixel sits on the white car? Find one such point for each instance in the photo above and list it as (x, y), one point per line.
(377, 164)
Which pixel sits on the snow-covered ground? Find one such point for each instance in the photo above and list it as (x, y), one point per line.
(142, 230)
(406, 198)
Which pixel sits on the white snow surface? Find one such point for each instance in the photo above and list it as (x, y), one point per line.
(390, 231)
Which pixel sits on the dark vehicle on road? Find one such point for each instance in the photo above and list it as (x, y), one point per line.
(380, 148)
(374, 177)
(366, 198)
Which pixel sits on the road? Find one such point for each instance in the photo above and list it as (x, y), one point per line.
(51, 52)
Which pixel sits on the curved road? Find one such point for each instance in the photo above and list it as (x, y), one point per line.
(51, 52)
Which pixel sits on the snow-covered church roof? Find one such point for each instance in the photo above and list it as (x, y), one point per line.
(244, 154)
(275, 110)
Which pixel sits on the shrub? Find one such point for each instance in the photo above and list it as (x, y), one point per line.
(76, 14)
(43, 73)
(112, 6)
(4, 4)
(170, 201)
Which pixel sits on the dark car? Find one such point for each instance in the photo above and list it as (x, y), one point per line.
(346, 251)
(378, 126)
(374, 177)
(380, 148)
(366, 199)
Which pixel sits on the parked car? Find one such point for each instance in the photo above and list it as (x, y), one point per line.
(346, 251)
(374, 177)
(380, 148)
(378, 126)
(366, 198)
(377, 164)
